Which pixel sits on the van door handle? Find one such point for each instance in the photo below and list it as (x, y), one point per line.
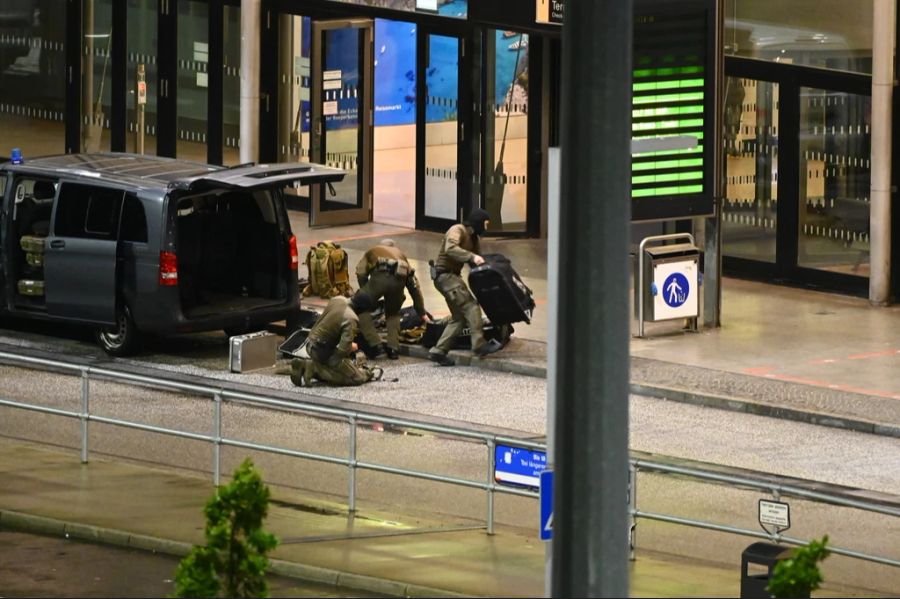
(58, 243)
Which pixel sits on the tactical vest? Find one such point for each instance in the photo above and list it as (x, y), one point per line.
(329, 273)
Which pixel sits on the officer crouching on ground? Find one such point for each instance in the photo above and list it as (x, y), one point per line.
(331, 348)
(460, 246)
(384, 272)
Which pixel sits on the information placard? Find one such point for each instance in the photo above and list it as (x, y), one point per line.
(774, 513)
(518, 466)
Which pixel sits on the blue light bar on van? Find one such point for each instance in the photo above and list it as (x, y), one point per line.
(16, 156)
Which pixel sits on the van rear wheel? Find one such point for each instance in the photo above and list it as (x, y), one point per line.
(122, 338)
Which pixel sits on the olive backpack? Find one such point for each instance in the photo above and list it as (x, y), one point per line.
(329, 271)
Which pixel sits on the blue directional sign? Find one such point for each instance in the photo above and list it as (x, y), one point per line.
(518, 466)
(546, 529)
(675, 289)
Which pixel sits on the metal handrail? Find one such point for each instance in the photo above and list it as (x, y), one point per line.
(354, 417)
(221, 395)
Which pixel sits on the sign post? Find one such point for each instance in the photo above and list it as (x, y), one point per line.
(546, 524)
(774, 516)
(140, 101)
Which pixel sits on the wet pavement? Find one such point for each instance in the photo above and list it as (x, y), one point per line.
(43, 566)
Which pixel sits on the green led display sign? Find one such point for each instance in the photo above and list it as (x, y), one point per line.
(672, 110)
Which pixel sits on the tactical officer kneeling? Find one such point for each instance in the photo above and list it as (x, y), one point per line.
(331, 347)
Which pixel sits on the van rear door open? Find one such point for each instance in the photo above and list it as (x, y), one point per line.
(80, 254)
(258, 176)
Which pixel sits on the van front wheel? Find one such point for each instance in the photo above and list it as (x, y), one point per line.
(122, 338)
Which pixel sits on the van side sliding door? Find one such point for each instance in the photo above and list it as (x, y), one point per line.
(80, 254)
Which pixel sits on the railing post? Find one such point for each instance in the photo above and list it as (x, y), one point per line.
(632, 508)
(490, 487)
(217, 438)
(352, 466)
(85, 413)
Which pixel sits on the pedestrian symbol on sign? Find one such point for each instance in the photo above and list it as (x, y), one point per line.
(676, 289)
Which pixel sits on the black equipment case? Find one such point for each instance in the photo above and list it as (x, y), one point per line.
(502, 295)
(434, 330)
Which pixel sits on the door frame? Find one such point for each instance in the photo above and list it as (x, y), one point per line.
(790, 78)
(465, 125)
(318, 215)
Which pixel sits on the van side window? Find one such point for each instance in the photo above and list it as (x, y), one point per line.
(134, 220)
(87, 211)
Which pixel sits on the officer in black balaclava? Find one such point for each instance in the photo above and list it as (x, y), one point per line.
(478, 221)
(460, 246)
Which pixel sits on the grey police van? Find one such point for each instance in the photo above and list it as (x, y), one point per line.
(134, 244)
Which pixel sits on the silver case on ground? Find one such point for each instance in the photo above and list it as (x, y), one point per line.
(252, 351)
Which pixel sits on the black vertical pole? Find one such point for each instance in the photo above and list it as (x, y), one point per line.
(216, 80)
(590, 519)
(167, 73)
(119, 96)
(72, 75)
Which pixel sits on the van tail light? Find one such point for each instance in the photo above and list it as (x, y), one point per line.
(295, 256)
(168, 269)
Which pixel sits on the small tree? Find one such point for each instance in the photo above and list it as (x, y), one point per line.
(233, 563)
(799, 575)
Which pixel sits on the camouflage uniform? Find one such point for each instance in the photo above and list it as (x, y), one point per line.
(385, 272)
(330, 348)
(459, 246)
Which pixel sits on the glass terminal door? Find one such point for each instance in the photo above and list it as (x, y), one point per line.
(341, 119)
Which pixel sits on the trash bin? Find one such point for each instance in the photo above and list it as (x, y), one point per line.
(667, 282)
(757, 564)
(671, 277)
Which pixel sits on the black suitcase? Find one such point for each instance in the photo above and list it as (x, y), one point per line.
(435, 328)
(502, 295)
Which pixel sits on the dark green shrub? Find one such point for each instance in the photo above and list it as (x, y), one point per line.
(799, 575)
(233, 563)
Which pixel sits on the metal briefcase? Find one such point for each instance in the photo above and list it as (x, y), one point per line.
(252, 351)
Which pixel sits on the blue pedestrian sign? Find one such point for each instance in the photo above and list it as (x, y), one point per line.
(546, 505)
(675, 289)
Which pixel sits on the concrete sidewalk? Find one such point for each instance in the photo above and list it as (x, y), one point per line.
(784, 352)
(119, 503)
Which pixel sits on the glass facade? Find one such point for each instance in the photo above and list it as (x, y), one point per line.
(835, 142)
(394, 189)
(831, 34)
(141, 50)
(798, 142)
(506, 130)
(341, 90)
(32, 78)
(192, 79)
(95, 75)
(448, 8)
(749, 211)
(231, 86)
(442, 126)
